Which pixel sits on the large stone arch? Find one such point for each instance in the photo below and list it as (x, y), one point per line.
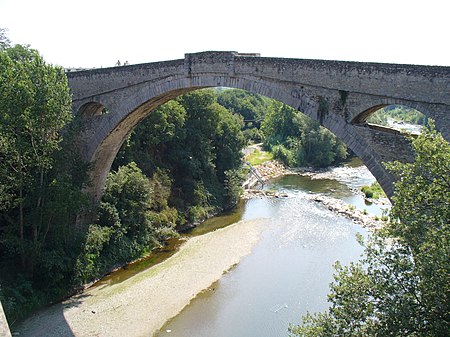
(322, 91)
(116, 127)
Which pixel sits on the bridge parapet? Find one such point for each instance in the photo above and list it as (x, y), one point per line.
(214, 62)
(413, 83)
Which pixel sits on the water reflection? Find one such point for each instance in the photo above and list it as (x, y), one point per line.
(287, 273)
(289, 270)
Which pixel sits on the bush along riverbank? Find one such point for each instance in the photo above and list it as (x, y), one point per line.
(373, 192)
(119, 309)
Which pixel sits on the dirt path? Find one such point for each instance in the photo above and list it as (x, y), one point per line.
(140, 305)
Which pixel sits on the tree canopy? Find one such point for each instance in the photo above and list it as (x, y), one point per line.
(297, 140)
(199, 142)
(40, 187)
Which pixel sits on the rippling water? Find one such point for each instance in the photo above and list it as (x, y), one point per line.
(289, 270)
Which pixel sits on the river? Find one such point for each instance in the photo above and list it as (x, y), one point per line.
(289, 271)
(281, 257)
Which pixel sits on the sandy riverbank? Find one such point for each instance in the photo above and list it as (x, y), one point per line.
(141, 305)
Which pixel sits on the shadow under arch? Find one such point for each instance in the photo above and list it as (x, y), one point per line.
(90, 109)
(365, 115)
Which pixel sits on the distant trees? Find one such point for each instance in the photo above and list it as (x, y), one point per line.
(297, 140)
(401, 287)
(398, 113)
(4, 40)
(292, 137)
(198, 142)
(252, 107)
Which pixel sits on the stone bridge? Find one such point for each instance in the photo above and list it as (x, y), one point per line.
(340, 95)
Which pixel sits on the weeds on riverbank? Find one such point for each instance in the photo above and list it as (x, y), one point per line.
(258, 157)
(373, 191)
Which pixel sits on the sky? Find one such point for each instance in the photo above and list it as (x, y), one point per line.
(98, 33)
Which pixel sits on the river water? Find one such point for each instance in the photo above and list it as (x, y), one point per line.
(289, 271)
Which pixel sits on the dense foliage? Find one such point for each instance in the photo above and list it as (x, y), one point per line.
(252, 107)
(402, 285)
(297, 140)
(398, 113)
(374, 191)
(134, 218)
(40, 189)
(198, 142)
(179, 166)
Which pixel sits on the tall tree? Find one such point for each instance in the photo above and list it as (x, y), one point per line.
(34, 106)
(298, 140)
(281, 124)
(199, 143)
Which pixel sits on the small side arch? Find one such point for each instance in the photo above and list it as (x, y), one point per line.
(91, 109)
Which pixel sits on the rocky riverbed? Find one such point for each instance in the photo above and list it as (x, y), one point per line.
(273, 169)
(341, 208)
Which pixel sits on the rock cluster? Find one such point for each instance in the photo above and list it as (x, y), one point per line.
(252, 193)
(268, 170)
(341, 208)
(271, 169)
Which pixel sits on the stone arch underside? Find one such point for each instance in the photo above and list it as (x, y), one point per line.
(90, 109)
(106, 134)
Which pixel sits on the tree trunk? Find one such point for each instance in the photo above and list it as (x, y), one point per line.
(21, 235)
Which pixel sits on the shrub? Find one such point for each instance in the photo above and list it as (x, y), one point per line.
(283, 154)
(374, 191)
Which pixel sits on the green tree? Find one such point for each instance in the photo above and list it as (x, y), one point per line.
(126, 200)
(320, 148)
(281, 124)
(151, 142)
(228, 142)
(4, 40)
(212, 146)
(35, 105)
(197, 143)
(297, 140)
(402, 285)
(40, 182)
(252, 108)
